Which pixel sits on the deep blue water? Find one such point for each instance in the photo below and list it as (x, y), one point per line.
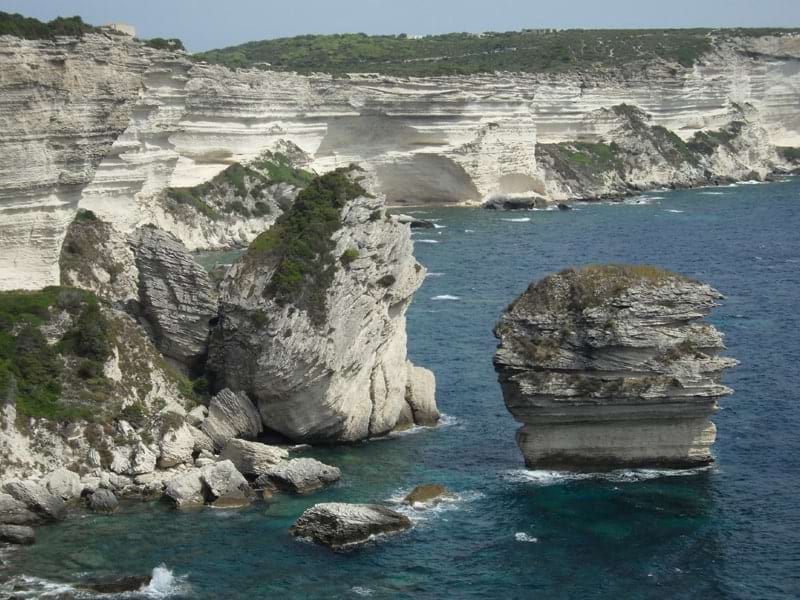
(732, 531)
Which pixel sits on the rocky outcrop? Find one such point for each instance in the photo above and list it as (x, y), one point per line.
(176, 296)
(428, 493)
(16, 512)
(322, 351)
(341, 526)
(231, 416)
(177, 447)
(102, 501)
(515, 202)
(36, 498)
(219, 484)
(299, 476)
(17, 534)
(253, 458)
(612, 366)
(63, 483)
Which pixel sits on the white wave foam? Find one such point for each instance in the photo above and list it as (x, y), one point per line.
(752, 182)
(446, 297)
(712, 193)
(424, 511)
(672, 210)
(433, 274)
(469, 231)
(521, 536)
(520, 220)
(545, 477)
(361, 591)
(164, 583)
(444, 421)
(437, 226)
(656, 197)
(24, 586)
(426, 241)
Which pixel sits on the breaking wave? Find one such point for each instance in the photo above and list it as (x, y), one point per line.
(521, 536)
(426, 241)
(519, 220)
(545, 477)
(446, 297)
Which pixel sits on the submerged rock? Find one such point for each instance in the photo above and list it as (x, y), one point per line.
(320, 344)
(300, 476)
(612, 366)
(339, 525)
(17, 534)
(429, 493)
(231, 416)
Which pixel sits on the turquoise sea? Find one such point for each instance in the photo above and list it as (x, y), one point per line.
(729, 531)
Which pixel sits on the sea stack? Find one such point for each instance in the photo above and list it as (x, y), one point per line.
(612, 366)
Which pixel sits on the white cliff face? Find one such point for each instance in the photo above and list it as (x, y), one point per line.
(342, 379)
(109, 124)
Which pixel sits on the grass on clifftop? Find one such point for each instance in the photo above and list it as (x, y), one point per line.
(529, 51)
(34, 29)
(299, 244)
(31, 369)
(591, 286)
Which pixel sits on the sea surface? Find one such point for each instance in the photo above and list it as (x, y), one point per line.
(729, 531)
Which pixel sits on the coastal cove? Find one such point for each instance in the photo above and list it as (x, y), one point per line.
(728, 531)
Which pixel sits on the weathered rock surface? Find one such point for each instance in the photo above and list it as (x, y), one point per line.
(299, 476)
(186, 490)
(253, 458)
(225, 487)
(176, 295)
(177, 447)
(612, 366)
(17, 534)
(15, 512)
(102, 501)
(63, 483)
(339, 380)
(421, 395)
(36, 498)
(515, 202)
(339, 525)
(231, 416)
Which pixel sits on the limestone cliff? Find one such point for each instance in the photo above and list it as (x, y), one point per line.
(612, 366)
(109, 124)
(312, 319)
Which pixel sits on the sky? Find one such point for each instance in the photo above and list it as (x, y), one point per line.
(206, 24)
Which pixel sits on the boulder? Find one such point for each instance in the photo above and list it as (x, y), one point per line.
(225, 486)
(197, 415)
(421, 395)
(231, 416)
(429, 493)
(324, 364)
(133, 460)
(102, 501)
(63, 483)
(202, 443)
(36, 498)
(516, 202)
(186, 490)
(177, 446)
(176, 295)
(299, 476)
(611, 367)
(17, 534)
(15, 512)
(252, 458)
(340, 525)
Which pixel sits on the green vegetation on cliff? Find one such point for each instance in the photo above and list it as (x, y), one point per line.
(34, 29)
(31, 369)
(299, 244)
(530, 51)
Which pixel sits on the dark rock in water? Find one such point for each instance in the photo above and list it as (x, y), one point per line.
(426, 494)
(501, 202)
(339, 525)
(36, 498)
(15, 512)
(612, 366)
(299, 476)
(17, 534)
(176, 295)
(121, 585)
(414, 222)
(103, 501)
(562, 206)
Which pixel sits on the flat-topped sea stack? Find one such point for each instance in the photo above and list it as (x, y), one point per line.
(612, 366)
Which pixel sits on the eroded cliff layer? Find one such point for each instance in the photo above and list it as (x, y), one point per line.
(612, 366)
(312, 319)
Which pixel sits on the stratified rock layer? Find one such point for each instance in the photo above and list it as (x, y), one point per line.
(344, 378)
(339, 525)
(612, 366)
